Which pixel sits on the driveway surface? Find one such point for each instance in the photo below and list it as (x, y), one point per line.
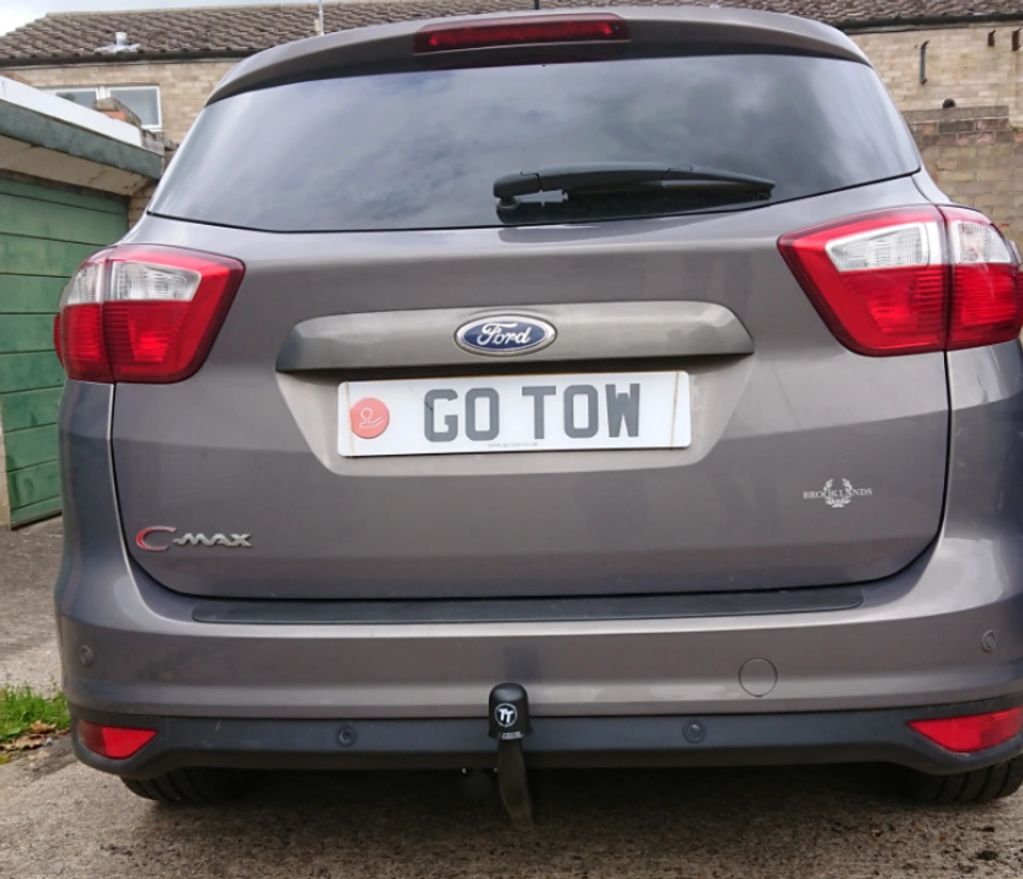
(58, 818)
(29, 560)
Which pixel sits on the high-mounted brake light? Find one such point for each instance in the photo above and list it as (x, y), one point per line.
(909, 280)
(488, 33)
(976, 732)
(142, 313)
(114, 742)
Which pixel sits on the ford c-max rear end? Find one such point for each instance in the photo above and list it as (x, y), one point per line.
(628, 360)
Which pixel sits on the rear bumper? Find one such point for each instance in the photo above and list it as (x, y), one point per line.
(917, 640)
(945, 631)
(819, 737)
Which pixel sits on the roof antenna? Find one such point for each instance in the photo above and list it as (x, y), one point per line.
(319, 17)
(119, 45)
(536, 4)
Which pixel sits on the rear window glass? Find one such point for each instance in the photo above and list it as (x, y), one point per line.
(423, 149)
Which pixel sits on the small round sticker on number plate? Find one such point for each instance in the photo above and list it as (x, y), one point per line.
(369, 417)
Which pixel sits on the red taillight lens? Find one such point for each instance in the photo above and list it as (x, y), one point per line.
(910, 280)
(115, 742)
(144, 314)
(987, 305)
(83, 351)
(521, 31)
(56, 338)
(877, 280)
(973, 733)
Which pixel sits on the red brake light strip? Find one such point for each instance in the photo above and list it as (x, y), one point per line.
(490, 33)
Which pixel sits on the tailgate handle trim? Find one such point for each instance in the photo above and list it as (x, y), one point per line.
(585, 331)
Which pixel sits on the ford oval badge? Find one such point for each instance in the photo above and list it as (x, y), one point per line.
(505, 334)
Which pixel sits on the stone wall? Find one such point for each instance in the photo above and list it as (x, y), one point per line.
(975, 155)
(960, 65)
(138, 203)
(184, 85)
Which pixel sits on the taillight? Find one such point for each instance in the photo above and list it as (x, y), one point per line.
(975, 732)
(909, 280)
(488, 33)
(114, 742)
(142, 313)
(987, 305)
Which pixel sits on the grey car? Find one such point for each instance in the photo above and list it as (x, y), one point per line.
(584, 388)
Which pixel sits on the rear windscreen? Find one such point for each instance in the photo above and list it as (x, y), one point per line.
(422, 150)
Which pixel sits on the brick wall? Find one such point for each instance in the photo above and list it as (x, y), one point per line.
(184, 86)
(976, 156)
(960, 65)
(138, 203)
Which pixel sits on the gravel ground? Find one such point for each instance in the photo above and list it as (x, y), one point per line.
(58, 818)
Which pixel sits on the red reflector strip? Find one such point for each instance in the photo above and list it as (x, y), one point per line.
(114, 742)
(520, 31)
(976, 732)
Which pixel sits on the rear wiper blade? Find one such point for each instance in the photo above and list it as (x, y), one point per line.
(623, 176)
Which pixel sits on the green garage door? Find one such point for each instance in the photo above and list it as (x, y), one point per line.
(45, 233)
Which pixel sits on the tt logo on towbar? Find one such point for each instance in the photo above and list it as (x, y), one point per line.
(146, 539)
(506, 715)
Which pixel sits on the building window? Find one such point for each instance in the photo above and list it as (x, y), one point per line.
(142, 100)
(84, 97)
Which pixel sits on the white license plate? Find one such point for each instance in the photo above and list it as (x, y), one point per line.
(527, 413)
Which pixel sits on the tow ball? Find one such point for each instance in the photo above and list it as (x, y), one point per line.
(509, 724)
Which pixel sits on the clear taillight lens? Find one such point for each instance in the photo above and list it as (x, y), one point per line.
(909, 280)
(144, 313)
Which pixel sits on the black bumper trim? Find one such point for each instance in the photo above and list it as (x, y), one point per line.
(716, 740)
(487, 610)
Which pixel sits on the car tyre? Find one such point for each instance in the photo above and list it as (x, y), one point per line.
(190, 787)
(963, 788)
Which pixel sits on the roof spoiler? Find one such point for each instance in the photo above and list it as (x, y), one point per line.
(653, 32)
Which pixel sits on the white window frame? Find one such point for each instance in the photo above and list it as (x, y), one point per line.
(104, 91)
(77, 88)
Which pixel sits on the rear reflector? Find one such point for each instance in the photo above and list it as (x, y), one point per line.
(521, 31)
(144, 313)
(976, 732)
(909, 280)
(114, 742)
